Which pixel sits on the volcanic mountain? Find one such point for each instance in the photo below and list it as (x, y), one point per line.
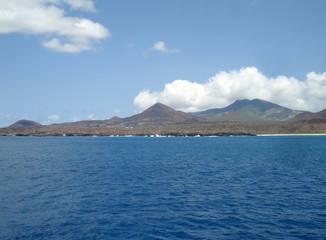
(160, 114)
(157, 114)
(248, 111)
(311, 116)
(25, 124)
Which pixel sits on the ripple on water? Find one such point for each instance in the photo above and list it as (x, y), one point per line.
(166, 188)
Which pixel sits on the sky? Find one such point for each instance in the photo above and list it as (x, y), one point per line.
(71, 60)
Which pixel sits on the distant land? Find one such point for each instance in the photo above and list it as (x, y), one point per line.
(249, 111)
(311, 116)
(243, 117)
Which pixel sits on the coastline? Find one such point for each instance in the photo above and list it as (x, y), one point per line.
(190, 129)
(290, 134)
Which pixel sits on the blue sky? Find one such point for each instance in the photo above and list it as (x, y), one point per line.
(69, 60)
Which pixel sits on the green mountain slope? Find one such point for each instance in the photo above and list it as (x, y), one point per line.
(248, 111)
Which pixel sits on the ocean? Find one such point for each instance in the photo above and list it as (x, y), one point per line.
(163, 188)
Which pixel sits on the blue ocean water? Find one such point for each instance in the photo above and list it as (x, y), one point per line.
(163, 188)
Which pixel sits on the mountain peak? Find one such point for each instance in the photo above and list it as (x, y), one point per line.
(310, 116)
(158, 104)
(158, 108)
(25, 124)
(158, 114)
(249, 110)
(114, 119)
(259, 104)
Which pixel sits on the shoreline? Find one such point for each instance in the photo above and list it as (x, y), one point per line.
(174, 135)
(193, 129)
(290, 134)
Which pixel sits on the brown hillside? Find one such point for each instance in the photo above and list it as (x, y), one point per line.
(158, 114)
(310, 116)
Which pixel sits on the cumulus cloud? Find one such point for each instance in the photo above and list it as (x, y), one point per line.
(48, 17)
(247, 83)
(160, 47)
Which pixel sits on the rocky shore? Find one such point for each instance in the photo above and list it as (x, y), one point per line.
(192, 129)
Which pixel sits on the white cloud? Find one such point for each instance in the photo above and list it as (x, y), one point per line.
(317, 84)
(91, 117)
(48, 18)
(247, 83)
(53, 118)
(160, 47)
(145, 99)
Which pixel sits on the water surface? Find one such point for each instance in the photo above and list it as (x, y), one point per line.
(163, 188)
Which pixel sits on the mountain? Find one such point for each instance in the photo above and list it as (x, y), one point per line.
(247, 111)
(311, 116)
(160, 114)
(81, 124)
(157, 114)
(26, 124)
(114, 119)
(88, 123)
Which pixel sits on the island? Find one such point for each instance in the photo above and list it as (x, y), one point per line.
(242, 118)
